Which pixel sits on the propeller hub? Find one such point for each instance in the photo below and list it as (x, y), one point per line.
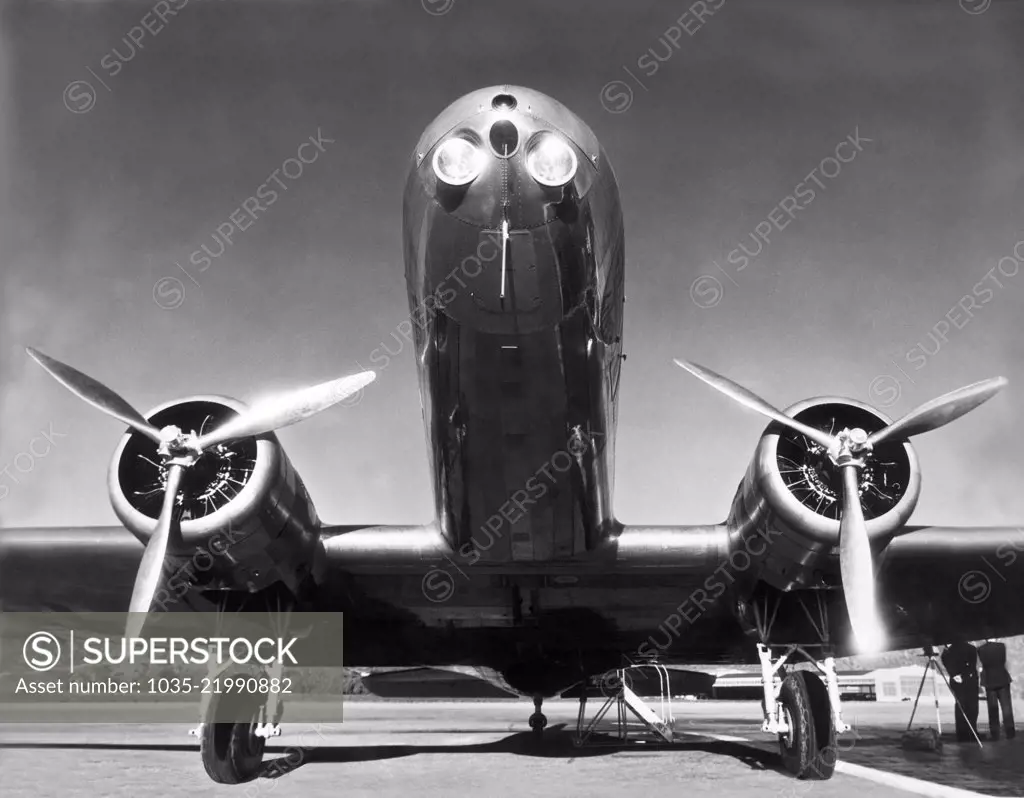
(169, 433)
(179, 447)
(846, 444)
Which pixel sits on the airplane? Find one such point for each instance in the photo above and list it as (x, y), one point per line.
(515, 265)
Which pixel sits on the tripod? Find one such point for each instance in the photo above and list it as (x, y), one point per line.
(933, 662)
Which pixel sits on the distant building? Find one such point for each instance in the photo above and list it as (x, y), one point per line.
(901, 684)
(745, 684)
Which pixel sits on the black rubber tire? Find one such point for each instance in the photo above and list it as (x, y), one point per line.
(824, 764)
(230, 752)
(808, 750)
(538, 722)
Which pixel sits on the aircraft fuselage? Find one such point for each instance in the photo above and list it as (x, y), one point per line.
(516, 291)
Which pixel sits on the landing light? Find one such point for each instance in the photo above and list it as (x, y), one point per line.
(550, 160)
(457, 162)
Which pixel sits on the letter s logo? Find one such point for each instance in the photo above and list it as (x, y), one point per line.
(41, 651)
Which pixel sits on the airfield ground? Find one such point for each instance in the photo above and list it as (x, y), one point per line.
(483, 749)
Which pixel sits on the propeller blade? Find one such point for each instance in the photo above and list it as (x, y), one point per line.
(740, 394)
(939, 412)
(285, 409)
(151, 569)
(857, 568)
(95, 393)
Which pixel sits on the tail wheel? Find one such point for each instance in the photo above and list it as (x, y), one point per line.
(231, 751)
(538, 722)
(809, 747)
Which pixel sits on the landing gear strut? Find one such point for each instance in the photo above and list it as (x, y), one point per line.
(538, 721)
(801, 708)
(235, 724)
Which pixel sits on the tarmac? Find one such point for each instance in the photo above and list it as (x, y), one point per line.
(483, 749)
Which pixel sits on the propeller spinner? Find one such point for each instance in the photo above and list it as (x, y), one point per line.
(181, 450)
(850, 450)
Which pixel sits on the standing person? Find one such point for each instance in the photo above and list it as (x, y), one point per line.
(995, 678)
(960, 659)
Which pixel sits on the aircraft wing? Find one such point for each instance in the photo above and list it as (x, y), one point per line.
(967, 581)
(78, 569)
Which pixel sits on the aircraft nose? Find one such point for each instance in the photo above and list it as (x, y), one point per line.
(504, 138)
(504, 133)
(506, 164)
(504, 102)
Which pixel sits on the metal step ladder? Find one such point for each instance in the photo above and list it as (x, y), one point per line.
(616, 685)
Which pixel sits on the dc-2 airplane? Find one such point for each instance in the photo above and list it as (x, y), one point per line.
(514, 257)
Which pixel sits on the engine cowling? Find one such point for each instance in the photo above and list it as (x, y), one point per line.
(791, 494)
(246, 518)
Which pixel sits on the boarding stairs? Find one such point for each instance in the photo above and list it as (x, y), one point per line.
(636, 720)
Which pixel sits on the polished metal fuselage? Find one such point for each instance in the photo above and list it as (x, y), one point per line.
(518, 334)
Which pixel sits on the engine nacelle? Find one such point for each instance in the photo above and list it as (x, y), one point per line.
(247, 521)
(791, 494)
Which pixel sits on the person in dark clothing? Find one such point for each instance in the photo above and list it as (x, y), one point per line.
(996, 681)
(960, 660)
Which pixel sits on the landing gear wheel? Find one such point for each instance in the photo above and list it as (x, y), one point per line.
(809, 747)
(231, 751)
(824, 729)
(538, 721)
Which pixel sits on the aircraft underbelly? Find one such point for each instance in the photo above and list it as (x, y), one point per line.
(520, 482)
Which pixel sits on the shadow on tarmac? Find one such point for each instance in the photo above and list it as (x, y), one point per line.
(557, 743)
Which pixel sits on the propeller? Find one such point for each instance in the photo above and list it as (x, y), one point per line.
(96, 394)
(856, 566)
(151, 569)
(753, 401)
(181, 450)
(286, 409)
(849, 450)
(939, 412)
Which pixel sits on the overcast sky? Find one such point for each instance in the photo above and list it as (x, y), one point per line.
(733, 118)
